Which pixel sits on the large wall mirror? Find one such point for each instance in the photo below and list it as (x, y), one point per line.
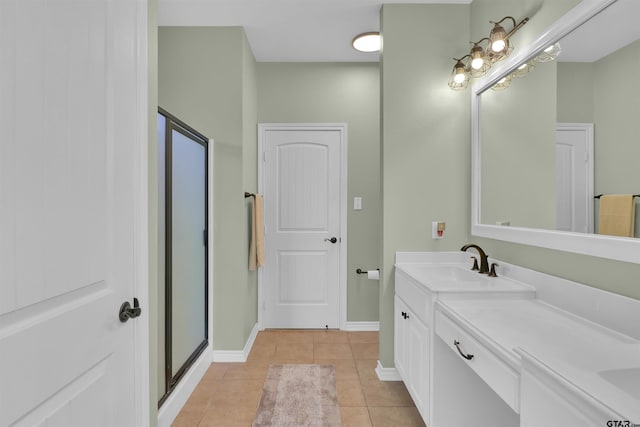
(557, 124)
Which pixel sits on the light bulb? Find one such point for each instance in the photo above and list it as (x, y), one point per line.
(498, 45)
(459, 78)
(523, 66)
(549, 49)
(477, 63)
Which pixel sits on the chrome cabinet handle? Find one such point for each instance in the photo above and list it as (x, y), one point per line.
(466, 356)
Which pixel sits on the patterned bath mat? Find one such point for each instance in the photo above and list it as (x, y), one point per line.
(300, 396)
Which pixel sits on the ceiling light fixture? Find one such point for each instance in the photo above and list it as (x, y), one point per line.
(367, 42)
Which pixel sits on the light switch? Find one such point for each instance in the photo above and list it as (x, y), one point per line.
(357, 203)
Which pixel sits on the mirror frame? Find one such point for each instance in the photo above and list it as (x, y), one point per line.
(617, 248)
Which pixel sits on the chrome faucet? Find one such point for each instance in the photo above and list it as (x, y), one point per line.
(484, 265)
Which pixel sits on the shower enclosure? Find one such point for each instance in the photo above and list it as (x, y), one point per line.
(182, 249)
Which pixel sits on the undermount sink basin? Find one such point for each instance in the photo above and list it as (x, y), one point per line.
(456, 277)
(627, 380)
(455, 273)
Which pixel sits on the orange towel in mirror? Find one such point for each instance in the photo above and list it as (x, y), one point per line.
(617, 214)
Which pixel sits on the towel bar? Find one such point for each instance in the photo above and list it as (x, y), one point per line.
(600, 195)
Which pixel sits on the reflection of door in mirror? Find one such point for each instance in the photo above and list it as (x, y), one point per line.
(574, 177)
(517, 151)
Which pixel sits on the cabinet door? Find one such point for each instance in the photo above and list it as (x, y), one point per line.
(411, 352)
(400, 339)
(418, 343)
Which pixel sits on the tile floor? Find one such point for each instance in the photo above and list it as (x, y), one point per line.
(229, 393)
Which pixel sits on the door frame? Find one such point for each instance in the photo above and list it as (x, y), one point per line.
(142, 234)
(587, 130)
(263, 128)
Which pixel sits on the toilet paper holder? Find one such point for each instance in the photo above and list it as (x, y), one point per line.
(361, 271)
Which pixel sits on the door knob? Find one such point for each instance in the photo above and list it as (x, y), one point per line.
(127, 312)
(332, 240)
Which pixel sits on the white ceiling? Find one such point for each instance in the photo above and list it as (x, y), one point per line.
(610, 30)
(322, 30)
(289, 30)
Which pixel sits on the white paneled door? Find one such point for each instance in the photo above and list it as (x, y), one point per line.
(302, 187)
(73, 212)
(574, 177)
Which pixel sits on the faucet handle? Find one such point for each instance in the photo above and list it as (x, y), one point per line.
(492, 273)
(475, 264)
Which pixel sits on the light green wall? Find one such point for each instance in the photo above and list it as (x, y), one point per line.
(249, 176)
(617, 135)
(575, 92)
(425, 145)
(204, 79)
(517, 130)
(338, 93)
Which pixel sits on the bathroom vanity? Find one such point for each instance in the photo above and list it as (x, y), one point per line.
(524, 348)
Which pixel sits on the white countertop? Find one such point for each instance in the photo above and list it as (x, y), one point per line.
(457, 277)
(582, 352)
(451, 272)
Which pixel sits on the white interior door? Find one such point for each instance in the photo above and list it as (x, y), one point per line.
(72, 202)
(574, 177)
(302, 189)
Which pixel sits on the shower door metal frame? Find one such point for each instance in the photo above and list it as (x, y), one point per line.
(173, 123)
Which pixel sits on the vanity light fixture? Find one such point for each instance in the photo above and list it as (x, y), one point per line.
(459, 79)
(503, 83)
(523, 69)
(367, 42)
(549, 54)
(484, 53)
(499, 44)
(479, 64)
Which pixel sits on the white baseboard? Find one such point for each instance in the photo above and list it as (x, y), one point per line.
(387, 374)
(227, 356)
(362, 326)
(176, 400)
(174, 403)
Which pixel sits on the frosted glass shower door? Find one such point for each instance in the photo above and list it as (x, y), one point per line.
(182, 249)
(188, 257)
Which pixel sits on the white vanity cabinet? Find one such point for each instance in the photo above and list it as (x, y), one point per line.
(412, 341)
(420, 280)
(523, 349)
(548, 399)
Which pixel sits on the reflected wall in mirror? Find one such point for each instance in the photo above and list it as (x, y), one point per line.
(592, 81)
